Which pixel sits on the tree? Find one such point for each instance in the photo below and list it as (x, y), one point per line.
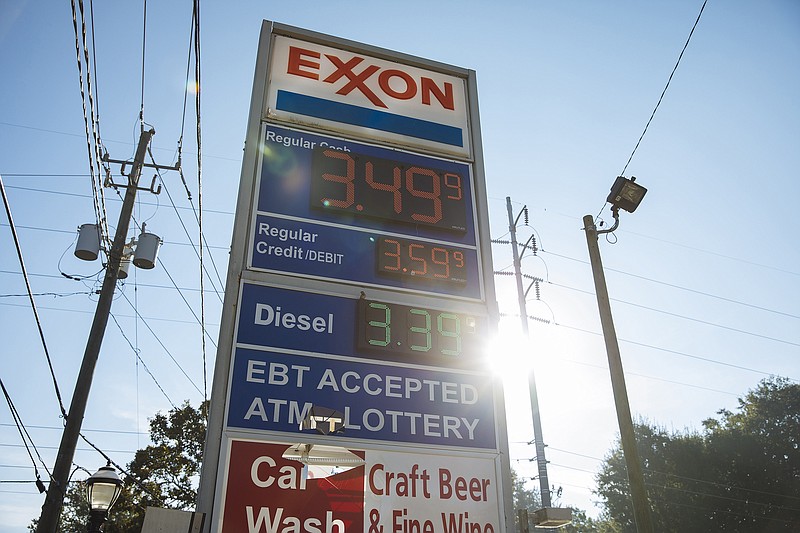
(163, 474)
(741, 473)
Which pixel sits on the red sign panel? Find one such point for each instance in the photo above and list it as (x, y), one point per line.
(267, 493)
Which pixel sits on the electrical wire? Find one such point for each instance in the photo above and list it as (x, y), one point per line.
(161, 343)
(680, 287)
(128, 475)
(675, 68)
(197, 63)
(684, 317)
(61, 428)
(144, 45)
(137, 352)
(675, 352)
(217, 290)
(26, 438)
(30, 294)
(92, 138)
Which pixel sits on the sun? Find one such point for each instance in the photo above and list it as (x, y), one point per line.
(509, 354)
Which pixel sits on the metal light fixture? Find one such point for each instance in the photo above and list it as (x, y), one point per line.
(102, 490)
(626, 194)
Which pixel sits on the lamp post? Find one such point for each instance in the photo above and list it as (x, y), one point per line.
(102, 490)
(625, 194)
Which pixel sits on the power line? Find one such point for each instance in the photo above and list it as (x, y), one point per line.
(714, 483)
(199, 214)
(82, 311)
(32, 301)
(161, 343)
(194, 247)
(78, 195)
(653, 114)
(26, 438)
(680, 287)
(678, 315)
(127, 143)
(60, 428)
(136, 351)
(93, 142)
(68, 232)
(675, 352)
(549, 211)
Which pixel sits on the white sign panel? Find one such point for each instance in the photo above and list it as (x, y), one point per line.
(372, 98)
(266, 491)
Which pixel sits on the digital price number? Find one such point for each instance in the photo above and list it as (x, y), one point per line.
(421, 260)
(381, 188)
(397, 329)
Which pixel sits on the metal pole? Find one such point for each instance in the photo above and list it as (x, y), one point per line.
(541, 462)
(51, 510)
(641, 506)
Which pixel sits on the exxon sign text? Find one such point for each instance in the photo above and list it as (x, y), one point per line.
(372, 98)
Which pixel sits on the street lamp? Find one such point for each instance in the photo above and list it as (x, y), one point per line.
(102, 490)
(625, 194)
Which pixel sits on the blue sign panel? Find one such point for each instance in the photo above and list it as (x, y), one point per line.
(369, 118)
(340, 181)
(340, 253)
(278, 318)
(273, 391)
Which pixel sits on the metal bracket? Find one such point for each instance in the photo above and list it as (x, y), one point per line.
(615, 213)
(109, 181)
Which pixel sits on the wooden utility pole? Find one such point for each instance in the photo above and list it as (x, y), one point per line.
(51, 510)
(641, 506)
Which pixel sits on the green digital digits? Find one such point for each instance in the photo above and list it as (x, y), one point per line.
(386, 325)
(425, 331)
(414, 332)
(455, 333)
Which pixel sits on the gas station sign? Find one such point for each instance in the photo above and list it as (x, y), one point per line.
(351, 391)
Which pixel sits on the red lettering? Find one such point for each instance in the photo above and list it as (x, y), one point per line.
(305, 63)
(376, 469)
(445, 98)
(296, 62)
(356, 80)
(411, 86)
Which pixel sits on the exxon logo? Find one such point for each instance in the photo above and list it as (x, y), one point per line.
(376, 83)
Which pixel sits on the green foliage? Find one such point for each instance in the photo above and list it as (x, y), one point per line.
(164, 474)
(742, 473)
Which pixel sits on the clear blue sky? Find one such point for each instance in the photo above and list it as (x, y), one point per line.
(704, 277)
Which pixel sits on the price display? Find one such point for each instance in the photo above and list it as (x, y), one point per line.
(421, 260)
(416, 332)
(370, 186)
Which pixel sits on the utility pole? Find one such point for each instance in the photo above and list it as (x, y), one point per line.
(541, 462)
(641, 506)
(51, 510)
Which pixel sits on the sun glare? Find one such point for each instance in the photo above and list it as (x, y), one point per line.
(509, 355)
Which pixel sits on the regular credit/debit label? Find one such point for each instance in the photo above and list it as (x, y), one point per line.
(390, 492)
(341, 254)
